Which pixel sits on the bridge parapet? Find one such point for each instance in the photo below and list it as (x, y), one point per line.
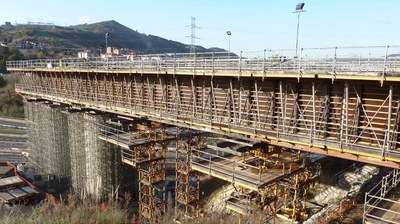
(377, 62)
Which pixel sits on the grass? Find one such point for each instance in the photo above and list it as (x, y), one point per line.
(73, 211)
(77, 211)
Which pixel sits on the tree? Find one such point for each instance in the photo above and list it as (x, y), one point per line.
(2, 82)
(9, 54)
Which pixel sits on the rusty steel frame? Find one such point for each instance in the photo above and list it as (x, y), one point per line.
(348, 119)
(152, 175)
(145, 148)
(282, 196)
(187, 182)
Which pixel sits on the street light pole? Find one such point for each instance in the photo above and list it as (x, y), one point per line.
(229, 43)
(299, 9)
(106, 36)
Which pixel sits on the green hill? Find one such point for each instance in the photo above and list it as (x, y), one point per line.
(51, 40)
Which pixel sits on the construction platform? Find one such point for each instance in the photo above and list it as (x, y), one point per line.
(237, 171)
(13, 188)
(243, 169)
(17, 194)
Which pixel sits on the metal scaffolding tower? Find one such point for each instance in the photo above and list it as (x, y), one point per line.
(187, 186)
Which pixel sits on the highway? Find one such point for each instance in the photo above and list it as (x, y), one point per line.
(13, 140)
(12, 123)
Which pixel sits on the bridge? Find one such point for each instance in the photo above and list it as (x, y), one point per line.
(340, 102)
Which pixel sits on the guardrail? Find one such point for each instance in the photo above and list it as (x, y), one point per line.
(376, 196)
(107, 132)
(379, 60)
(229, 168)
(238, 202)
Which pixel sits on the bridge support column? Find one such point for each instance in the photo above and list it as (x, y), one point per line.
(187, 186)
(97, 170)
(48, 138)
(152, 175)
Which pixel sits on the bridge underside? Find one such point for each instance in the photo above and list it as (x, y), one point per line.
(357, 120)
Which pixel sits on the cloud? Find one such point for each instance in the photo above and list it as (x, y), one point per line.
(84, 19)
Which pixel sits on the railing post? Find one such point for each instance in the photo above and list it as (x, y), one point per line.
(369, 59)
(384, 65)
(141, 63)
(158, 63)
(174, 63)
(209, 163)
(334, 61)
(299, 60)
(263, 64)
(212, 63)
(194, 65)
(233, 171)
(365, 206)
(240, 63)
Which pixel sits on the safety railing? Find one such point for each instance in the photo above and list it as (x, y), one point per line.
(118, 137)
(230, 169)
(112, 133)
(375, 199)
(377, 60)
(238, 202)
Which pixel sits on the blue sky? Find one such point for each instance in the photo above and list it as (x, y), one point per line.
(255, 24)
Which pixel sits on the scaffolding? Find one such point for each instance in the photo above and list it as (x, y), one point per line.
(187, 183)
(143, 146)
(263, 176)
(48, 139)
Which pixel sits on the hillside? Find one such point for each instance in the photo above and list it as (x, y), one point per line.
(47, 40)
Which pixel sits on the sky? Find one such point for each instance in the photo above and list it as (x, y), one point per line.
(255, 24)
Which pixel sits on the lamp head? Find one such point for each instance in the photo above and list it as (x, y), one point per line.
(299, 6)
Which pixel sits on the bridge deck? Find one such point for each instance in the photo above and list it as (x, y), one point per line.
(329, 105)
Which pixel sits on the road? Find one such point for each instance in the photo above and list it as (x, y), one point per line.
(13, 140)
(12, 123)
